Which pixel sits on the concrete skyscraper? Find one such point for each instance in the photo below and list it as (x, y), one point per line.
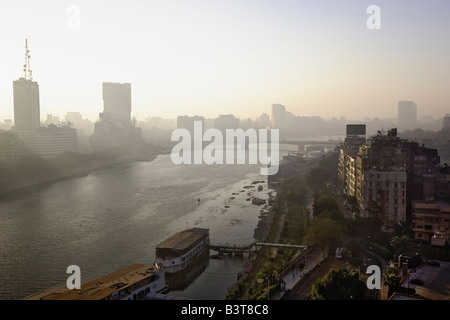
(26, 98)
(26, 104)
(31, 137)
(446, 121)
(115, 127)
(278, 116)
(407, 115)
(117, 101)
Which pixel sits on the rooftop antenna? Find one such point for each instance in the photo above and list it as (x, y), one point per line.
(26, 66)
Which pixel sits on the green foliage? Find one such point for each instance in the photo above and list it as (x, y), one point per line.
(355, 262)
(340, 284)
(325, 172)
(392, 280)
(318, 177)
(364, 227)
(353, 203)
(355, 246)
(292, 191)
(404, 228)
(322, 231)
(333, 215)
(373, 208)
(325, 203)
(272, 290)
(295, 225)
(327, 207)
(399, 244)
(383, 252)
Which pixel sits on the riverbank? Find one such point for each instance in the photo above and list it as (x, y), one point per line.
(286, 222)
(265, 218)
(58, 172)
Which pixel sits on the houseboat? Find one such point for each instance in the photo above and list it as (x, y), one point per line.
(182, 249)
(134, 282)
(183, 256)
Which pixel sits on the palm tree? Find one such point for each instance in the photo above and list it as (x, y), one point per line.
(392, 280)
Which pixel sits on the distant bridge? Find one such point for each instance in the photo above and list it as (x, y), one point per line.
(303, 143)
(281, 245)
(232, 249)
(240, 250)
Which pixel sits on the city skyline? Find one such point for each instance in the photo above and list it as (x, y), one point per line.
(234, 57)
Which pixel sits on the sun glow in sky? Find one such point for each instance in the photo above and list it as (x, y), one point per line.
(211, 57)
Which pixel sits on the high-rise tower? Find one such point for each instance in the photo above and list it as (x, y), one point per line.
(33, 139)
(278, 116)
(407, 115)
(117, 102)
(446, 121)
(115, 127)
(26, 98)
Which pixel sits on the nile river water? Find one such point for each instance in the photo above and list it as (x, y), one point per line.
(114, 217)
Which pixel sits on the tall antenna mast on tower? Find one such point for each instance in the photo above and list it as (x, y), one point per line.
(26, 66)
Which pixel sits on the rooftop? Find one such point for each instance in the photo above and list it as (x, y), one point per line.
(436, 281)
(443, 206)
(99, 288)
(402, 296)
(183, 239)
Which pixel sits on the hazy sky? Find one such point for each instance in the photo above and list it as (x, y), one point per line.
(212, 57)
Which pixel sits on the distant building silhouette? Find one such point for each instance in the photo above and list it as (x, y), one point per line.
(117, 101)
(32, 138)
(187, 122)
(52, 120)
(264, 120)
(356, 130)
(75, 120)
(26, 104)
(160, 123)
(52, 140)
(407, 115)
(26, 98)
(446, 121)
(278, 116)
(226, 121)
(115, 128)
(8, 146)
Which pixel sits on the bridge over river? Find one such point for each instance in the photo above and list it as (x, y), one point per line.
(240, 250)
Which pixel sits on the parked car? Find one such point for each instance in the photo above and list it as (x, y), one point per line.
(433, 263)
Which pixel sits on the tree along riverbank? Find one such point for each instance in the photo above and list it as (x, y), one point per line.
(288, 219)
